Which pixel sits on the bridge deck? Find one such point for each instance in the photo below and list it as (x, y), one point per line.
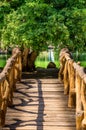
(40, 104)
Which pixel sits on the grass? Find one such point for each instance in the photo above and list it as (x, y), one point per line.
(42, 59)
(3, 59)
(83, 63)
(44, 64)
(2, 63)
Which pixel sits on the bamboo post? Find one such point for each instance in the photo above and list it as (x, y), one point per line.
(8, 70)
(15, 73)
(79, 112)
(79, 118)
(83, 98)
(74, 77)
(5, 93)
(64, 55)
(62, 64)
(8, 78)
(66, 79)
(72, 96)
(0, 100)
(20, 67)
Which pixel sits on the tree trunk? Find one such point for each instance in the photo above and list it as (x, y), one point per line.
(25, 58)
(31, 61)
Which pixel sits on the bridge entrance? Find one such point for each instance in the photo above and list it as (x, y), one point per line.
(40, 103)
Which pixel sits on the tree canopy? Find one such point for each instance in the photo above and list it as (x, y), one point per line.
(39, 23)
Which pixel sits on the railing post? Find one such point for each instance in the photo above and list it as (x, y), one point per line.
(19, 67)
(4, 104)
(15, 72)
(62, 65)
(66, 78)
(83, 98)
(79, 111)
(74, 82)
(8, 78)
(72, 95)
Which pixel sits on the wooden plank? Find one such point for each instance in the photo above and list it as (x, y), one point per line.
(40, 104)
(41, 128)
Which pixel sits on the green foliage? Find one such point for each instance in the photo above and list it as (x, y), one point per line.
(76, 23)
(15, 4)
(39, 23)
(4, 9)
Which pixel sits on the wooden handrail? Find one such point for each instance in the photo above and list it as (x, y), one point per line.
(8, 78)
(74, 78)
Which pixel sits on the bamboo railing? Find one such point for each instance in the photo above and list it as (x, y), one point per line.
(8, 78)
(74, 79)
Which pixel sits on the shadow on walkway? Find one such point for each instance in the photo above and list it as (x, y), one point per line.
(23, 99)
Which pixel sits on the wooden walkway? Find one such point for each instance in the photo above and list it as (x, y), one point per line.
(40, 104)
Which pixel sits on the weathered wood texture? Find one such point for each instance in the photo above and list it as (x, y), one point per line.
(40, 104)
(74, 79)
(8, 78)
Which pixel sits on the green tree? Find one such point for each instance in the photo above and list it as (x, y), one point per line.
(38, 23)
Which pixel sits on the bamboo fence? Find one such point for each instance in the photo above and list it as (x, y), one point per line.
(74, 79)
(8, 78)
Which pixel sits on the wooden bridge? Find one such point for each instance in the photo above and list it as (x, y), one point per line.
(40, 104)
(41, 100)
